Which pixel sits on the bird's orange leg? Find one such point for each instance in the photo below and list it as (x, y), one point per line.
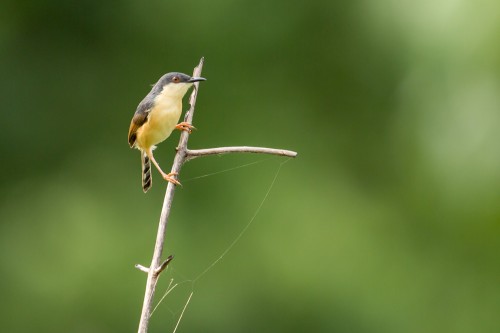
(167, 176)
(184, 126)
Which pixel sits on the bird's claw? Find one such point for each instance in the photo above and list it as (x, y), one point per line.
(170, 178)
(184, 126)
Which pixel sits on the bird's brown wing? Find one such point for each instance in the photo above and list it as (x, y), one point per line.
(137, 121)
(140, 117)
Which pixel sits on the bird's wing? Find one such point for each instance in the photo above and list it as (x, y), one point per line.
(139, 119)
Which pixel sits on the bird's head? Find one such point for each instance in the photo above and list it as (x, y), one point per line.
(176, 84)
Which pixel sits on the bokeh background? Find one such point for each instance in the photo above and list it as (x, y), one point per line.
(388, 220)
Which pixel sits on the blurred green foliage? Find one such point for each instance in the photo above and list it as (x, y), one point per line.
(388, 220)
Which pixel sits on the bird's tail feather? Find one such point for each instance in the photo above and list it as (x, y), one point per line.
(146, 172)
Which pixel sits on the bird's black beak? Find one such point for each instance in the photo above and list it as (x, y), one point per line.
(196, 79)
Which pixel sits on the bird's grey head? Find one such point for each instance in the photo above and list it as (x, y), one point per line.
(175, 84)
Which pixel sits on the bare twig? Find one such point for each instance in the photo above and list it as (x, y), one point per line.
(192, 154)
(142, 268)
(164, 265)
(183, 154)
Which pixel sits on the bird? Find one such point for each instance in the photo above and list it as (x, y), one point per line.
(156, 117)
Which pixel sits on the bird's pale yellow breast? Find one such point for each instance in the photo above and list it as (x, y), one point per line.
(163, 116)
(161, 122)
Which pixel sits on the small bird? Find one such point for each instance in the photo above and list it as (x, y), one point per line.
(155, 119)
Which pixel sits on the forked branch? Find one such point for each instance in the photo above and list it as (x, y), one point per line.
(183, 154)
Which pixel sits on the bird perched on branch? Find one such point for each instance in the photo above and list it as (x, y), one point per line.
(156, 117)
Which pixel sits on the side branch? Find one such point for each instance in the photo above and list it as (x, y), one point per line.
(192, 154)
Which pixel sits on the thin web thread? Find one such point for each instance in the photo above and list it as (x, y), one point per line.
(226, 170)
(169, 289)
(182, 313)
(236, 240)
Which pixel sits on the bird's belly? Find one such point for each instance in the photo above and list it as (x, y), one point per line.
(161, 122)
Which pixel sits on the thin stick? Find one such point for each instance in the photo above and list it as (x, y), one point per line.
(165, 212)
(183, 154)
(191, 154)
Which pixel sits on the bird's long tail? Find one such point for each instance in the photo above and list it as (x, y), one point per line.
(146, 172)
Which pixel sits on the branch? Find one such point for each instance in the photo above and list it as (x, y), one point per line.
(183, 154)
(192, 154)
(155, 267)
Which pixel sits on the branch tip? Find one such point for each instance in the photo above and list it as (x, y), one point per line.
(142, 268)
(164, 265)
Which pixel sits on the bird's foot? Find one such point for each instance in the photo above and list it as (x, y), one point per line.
(184, 126)
(170, 178)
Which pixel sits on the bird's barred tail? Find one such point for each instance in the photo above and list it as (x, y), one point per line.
(146, 172)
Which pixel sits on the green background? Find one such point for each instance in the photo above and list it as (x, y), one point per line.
(387, 221)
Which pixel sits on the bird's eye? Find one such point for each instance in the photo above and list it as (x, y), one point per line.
(176, 79)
